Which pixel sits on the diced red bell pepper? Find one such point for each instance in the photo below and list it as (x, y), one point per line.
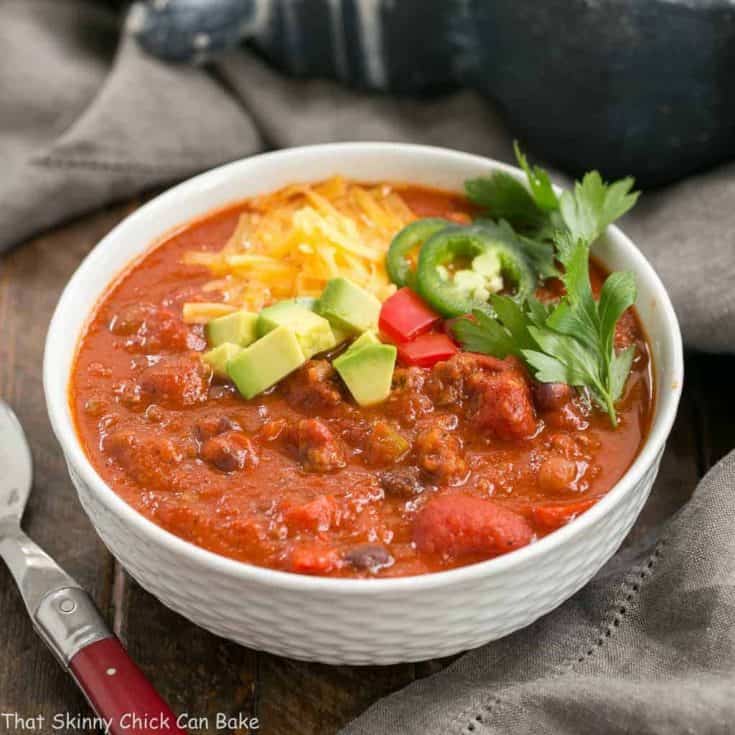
(405, 316)
(426, 350)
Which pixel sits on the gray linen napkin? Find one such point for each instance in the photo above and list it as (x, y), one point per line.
(647, 649)
(649, 646)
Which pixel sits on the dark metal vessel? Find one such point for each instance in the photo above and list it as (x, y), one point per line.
(641, 86)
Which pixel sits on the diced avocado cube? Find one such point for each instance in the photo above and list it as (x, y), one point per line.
(239, 328)
(280, 314)
(368, 372)
(312, 331)
(309, 302)
(366, 338)
(266, 361)
(218, 357)
(340, 335)
(348, 307)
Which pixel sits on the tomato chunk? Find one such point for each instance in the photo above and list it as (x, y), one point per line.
(177, 381)
(553, 516)
(315, 516)
(312, 558)
(426, 350)
(500, 403)
(405, 316)
(455, 525)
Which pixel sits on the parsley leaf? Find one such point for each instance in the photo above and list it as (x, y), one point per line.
(484, 334)
(572, 342)
(576, 314)
(593, 205)
(538, 181)
(618, 294)
(539, 254)
(619, 371)
(578, 366)
(505, 198)
(502, 336)
(531, 212)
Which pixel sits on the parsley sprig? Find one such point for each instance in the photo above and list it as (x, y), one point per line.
(573, 341)
(532, 213)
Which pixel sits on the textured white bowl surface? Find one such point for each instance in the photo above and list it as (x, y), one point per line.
(377, 621)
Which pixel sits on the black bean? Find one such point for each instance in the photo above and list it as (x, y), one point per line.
(551, 396)
(402, 483)
(369, 556)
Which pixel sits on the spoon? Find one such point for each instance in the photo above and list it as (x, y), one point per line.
(64, 615)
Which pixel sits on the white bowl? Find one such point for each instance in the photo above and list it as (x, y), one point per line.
(347, 621)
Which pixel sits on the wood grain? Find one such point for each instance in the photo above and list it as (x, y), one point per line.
(196, 672)
(31, 279)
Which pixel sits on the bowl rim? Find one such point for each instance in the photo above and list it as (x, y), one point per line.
(63, 425)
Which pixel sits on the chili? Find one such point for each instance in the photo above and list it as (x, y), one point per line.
(466, 458)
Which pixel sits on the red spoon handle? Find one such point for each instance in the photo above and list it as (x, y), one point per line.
(119, 692)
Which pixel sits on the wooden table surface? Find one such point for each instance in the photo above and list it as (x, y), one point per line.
(197, 672)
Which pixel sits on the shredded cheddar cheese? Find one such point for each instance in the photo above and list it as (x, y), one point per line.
(291, 242)
(201, 312)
